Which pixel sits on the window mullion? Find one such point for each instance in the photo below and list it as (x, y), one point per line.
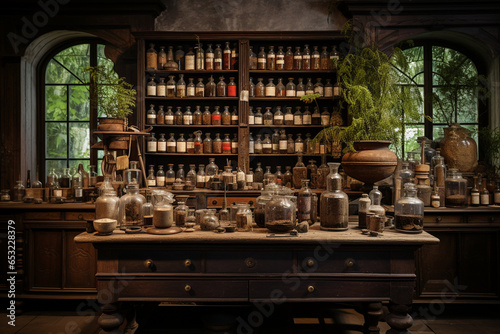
(428, 87)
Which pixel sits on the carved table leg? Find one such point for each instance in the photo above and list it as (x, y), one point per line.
(372, 313)
(132, 324)
(399, 319)
(110, 320)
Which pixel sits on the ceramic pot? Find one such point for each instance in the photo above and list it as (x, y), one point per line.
(111, 124)
(372, 161)
(105, 226)
(458, 148)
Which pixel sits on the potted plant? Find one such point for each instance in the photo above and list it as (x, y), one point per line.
(113, 96)
(378, 97)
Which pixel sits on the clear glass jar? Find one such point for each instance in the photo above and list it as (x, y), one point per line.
(200, 176)
(131, 206)
(181, 211)
(297, 59)
(406, 175)
(270, 88)
(319, 88)
(364, 204)
(260, 88)
(207, 143)
(258, 117)
(409, 212)
(198, 143)
(178, 116)
(170, 175)
(325, 117)
(259, 172)
(280, 88)
(151, 179)
(226, 116)
(207, 116)
(267, 146)
(299, 144)
(268, 117)
(226, 144)
(217, 58)
(209, 222)
(280, 59)
(252, 59)
(300, 88)
(18, 192)
(65, 178)
(152, 144)
(306, 58)
(221, 88)
(187, 118)
(151, 115)
(328, 92)
(299, 173)
(200, 57)
(455, 189)
(160, 177)
(234, 116)
(271, 59)
(169, 116)
(191, 177)
(309, 86)
(289, 59)
(211, 88)
(226, 57)
(181, 87)
(334, 203)
(171, 86)
(288, 177)
(191, 88)
(234, 144)
(199, 89)
(151, 58)
(312, 173)
(280, 214)
(439, 169)
(190, 60)
(304, 203)
(163, 215)
(180, 175)
(306, 116)
(210, 171)
(197, 116)
(261, 59)
(216, 116)
(316, 117)
(258, 144)
(180, 145)
(251, 88)
(325, 58)
(375, 207)
(107, 206)
(288, 117)
(217, 144)
(244, 217)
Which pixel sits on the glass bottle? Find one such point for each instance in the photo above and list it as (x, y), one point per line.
(151, 58)
(260, 90)
(170, 175)
(207, 116)
(92, 177)
(278, 176)
(315, 59)
(197, 116)
(161, 88)
(171, 144)
(319, 88)
(180, 175)
(160, 177)
(251, 88)
(198, 143)
(244, 217)
(455, 189)
(209, 58)
(364, 204)
(181, 211)
(334, 58)
(299, 173)
(268, 117)
(151, 179)
(260, 206)
(406, 175)
(64, 179)
(151, 87)
(290, 144)
(226, 116)
(171, 86)
(191, 176)
(258, 144)
(496, 193)
(337, 88)
(334, 203)
(475, 194)
(324, 58)
(270, 88)
(278, 116)
(275, 138)
(217, 144)
(309, 86)
(375, 206)
(328, 89)
(325, 117)
(217, 58)
(267, 147)
(231, 88)
(199, 89)
(210, 171)
(435, 198)
(297, 59)
(107, 205)
(252, 59)
(178, 57)
(409, 211)
(131, 203)
(271, 59)
(226, 60)
(288, 58)
(251, 144)
(152, 146)
(290, 88)
(485, 196)
(234, 116)
(181, 86)
(306, 116)
(268, 176)
(200, 176)
(299, 144)
(132, 173)
(187, 118)
(280, 214)
(181, 144)
(304, 203)
(169, 116)
(312, 173)
(211, 88)
(221, 88)
(162, 144)
(234, 144)
(308, 144)
(226, 144)
(306, 58)
(259, 118)
(147, 211)
(280, 88)
(282, 142)
(190, 60)
(316, 117)
(288, 117)
(178, 116)
(216, 116)
(191, 88)
(439, 169)
(287, 177)
(18, 192)
(259, 172)
(261, 59)
(190, 144)
(300, 88)
(323, 172)
(207, 143)
(160, 116)
(200, 57)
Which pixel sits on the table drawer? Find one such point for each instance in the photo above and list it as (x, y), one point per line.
(443, 219)
(217, 202)
(43, 215)
(185, 289)
(485, 218)
(249, 262)
(80, 215)
(154, 261)
(344, 262)
(296, 288)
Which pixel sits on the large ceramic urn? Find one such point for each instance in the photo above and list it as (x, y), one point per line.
(458, 148)
(372, 161)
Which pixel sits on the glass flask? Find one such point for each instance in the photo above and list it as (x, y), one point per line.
(280, 214)
(251, 88)
(169, 116)
(278, 176)
(406, 174)
(376, 207)
(18, 192)
(180, 145)
(306, 116)
(187, 117)
(268, 117)
(217, 144)
(277, 118)
(268, 176)
(131, 206)
(306, 58)
(160, 116)
(455, 189)
(199, 89)
(261, 59)
(409, 211)
(439, 169)
(151, 58)
(170, 175)
(171, 144)
(217, 58)
(315, 59)
(226, 57)
(280, 88)
(226, 144)
(191, 88)
(319, 88)
(324, 59)
(211, 88)
(299, 144)
(221, 87)
(181, 211)
(280, 59)
(171, 86)
(334, 203)
(290, 144)
(151, 179)
(271, 59)
(207, 116)
(288, 117)
(297, 59)
(107, 206)
(151, 115)
(197, 116)
(191, 176)
(258, 144)
(300, 89)
(207, 143)
(180, 175)
(267, 146)
(309, 86)
(364, 204)
(312, 173)
(160, 177)
(190, 143)
(299, 173)
(252, 58)
(308, 144)
(180, 87)
(216, 116)
(152, 144)
(304, 203)
(328, 91)
(231, 88)
(260, 89)
(209, 221)
(244, 217)
(210, 171)
(171, 64)
(258, 117)
(275, 139)
(289, 59)
(226, 116)
(65, 178)
(259, 172)
(270, 88)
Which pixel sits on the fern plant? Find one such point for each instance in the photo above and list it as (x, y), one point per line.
(114, 96)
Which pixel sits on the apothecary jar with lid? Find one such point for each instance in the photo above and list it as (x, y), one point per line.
(108, 206)
(409, 211)
(455, 189)
(280, 214)
(131, 203)
(334, 203)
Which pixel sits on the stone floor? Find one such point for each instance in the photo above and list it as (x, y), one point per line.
(78, 317)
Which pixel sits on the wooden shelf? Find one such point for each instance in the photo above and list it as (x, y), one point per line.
(191, 98)
(193, 126)
(191, 71)
(284, 155)
(285, 126)
(293, 71)
(270, 98)
(196, 154)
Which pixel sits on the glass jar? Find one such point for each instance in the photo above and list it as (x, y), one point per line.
(455, 189)
(65, 178)
(260, 89)
(282, 142)
(211, 88)
(309, 86)
(169, 116)
(270, 88)
(280, 59)
(306, 116)
(252, 59)
(375, 207)
(131, 206)
(170, 175)
(280, 214)
(328, 92)
(151, 179)
(107, 206)
(324, 59)
(221, 88)
(325, 117)
(288, 177)
(306, 58)
(496, 193)
(152, 144)
(190, 60)
(271, 59)
(299, 144)
(18, 192)
(260, 207)
(334, 203)
(226, 57)
(289, 59)
(319, 88)
(191, 177)
(180, 175)
(160, 177)
(231, 88)
(200, 57)
(217, 58)
(267, 146)
(259, 172)
(187, 118)
(200, 176)
(216, 116)
(268, 117)
(280, 88)
(312, 173)
(299, 173)
(364, 204)
(315, 59)
(217, 144)
(180, 145)
(207, 116)
(300, 88)
(151, 115)
(316, 117)
(234, 116)
(198, 143)
(226, 144)
(297, 116)
(5, 196)
(258, 144)
(234, 144)
(151, 58)
(207, 143)
(409, 211)
(163, 215)
(210, 171)
(261, 59)
(209, 221)
(288, 117)
(151, 87)
(251, 88)
(439, 169)
(181, 87)
(278, 117)
(244, 217)
(181, 211)
(191, 88)
(178, 116)
(258, 117)
(297, 59)
(226, 116)
(304, 203)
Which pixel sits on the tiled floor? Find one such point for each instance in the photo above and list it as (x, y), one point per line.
(62, 318)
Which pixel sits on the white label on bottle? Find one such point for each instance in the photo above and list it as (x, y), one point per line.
(297, 57)
(336, 91)
(200, 178)
(218, 61)
(309, 92)
(249, 178)
(169, 118)
(258, 120)
(152, 147)
(151, 91)
(275, 147)
(334, 57)
(497, 198)
(191, 91)
(306, 56)
(170, 143)
(297, 120)
(227, 51)
(161, 90)
(485, 199)
(328, 91)
(325, 120)
(288, 117)
(319, 90)
(280, 61)
(78, 192)
(315, 55)
(190, 144)
(258, 147)
(306, 119)
(278, 117)
(209, 55)
(272, 55)
(261, 60)
(181, 147)
(251, 119)
(234, 117)
(152, 182)
(240, 176)
(170, 86)
(300, 93)
(270, 91)
(160, 181)
(475, 199)
(57, 193)
(152, 116)
(187, 120)
(251, 147)
(282, 145)
(267, 146)
(290, 93)
(299, 147)
(189, 62)
(162, 146)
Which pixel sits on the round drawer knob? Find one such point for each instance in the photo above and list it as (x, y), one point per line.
(310, 289)
(149, 264)
(310, 263)
(214, 202)
(491, 219)
(438, 219)
(250, 202)
(250, 262)
(187, 288)
(350, 263)
(188, 263)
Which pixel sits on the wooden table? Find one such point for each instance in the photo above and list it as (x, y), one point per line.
(251, 267)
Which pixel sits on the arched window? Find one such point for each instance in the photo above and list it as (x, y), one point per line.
(448, 81)
(68, 117)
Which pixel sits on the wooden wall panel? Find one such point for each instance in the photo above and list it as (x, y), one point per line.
(80, 263)
(47, 255)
